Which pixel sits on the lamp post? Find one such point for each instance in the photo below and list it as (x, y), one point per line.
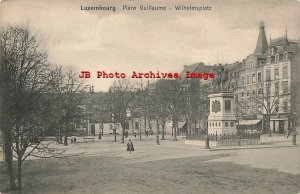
(114, 128)
(207, 138)
(292, 129)
(157, 131)
(140, 129)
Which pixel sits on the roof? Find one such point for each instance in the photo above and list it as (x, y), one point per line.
(197, 67)
(279, 41)
(181, 124)
(262, 43)
(249, 122)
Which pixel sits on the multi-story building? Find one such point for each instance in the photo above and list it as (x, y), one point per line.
(281, 61)
(265, 81)
(251, 76)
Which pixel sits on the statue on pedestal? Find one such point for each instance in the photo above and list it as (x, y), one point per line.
(221, 81)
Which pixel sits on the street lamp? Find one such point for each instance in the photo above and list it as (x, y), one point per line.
(114, 128)
(140, 129)
(207, 138)
(291, 119)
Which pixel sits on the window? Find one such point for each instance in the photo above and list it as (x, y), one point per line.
(276, 86)
(259, 77)
(276, 58)
(243, 94)
(227, 105)
(248, 93)
(258, 108)
(219, 124)
(248, 79)
(269, 59)
(243, 80)
(280, 48)
(253, 93)
(226, 124)
(259, 93)
(268, 88)
(276, 107)
(253, 78)
(273, 51)
(285, 72)
(276, 73)
(285, 106)
(285, 87)
(286, 56)
(268, 74)
(136, 125)
(231, 124)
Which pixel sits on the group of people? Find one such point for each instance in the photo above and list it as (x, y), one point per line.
(73, 140)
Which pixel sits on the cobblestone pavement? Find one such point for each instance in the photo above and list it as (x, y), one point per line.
(171, 167)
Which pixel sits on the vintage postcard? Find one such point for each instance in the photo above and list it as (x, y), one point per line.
(149, 96)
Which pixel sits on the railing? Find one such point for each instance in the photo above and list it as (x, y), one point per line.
(224, 137)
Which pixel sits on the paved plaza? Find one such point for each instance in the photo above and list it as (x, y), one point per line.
(172, 167)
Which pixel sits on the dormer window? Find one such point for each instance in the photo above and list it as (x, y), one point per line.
(280, 48)
(273, 51)
(286, 56)
(277, 58)
(269, 59)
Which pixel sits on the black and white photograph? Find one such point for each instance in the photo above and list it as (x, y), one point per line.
(149, 96)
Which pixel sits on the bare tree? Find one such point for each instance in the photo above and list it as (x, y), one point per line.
(266, 102)
(70, 92)
(160, 103)
(143, 100)
(123, 94)
(177, 105)
(26, 78)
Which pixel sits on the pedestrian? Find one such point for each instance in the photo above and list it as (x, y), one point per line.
(288, 133)
(74, 140)
(99, 135)
(134, 135)
(130, 147)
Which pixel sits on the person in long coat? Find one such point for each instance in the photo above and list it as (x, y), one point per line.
(130, 147)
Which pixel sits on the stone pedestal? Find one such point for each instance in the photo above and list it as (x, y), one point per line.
(221, 119)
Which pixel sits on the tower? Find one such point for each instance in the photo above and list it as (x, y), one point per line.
(262, 43)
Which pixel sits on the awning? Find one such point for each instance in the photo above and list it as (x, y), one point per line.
(249, 122)
(181, 124)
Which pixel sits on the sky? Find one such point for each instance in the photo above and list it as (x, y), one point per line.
(165, 41)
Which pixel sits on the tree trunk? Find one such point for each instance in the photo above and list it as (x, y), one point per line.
(19, 173)
(175, 131)
(269, 127)
(66, 136)
(9, 162)
(123, 140)
(145, 120)
(9, 157)
(163, 132)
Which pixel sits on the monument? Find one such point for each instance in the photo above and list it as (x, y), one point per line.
(221, 119)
